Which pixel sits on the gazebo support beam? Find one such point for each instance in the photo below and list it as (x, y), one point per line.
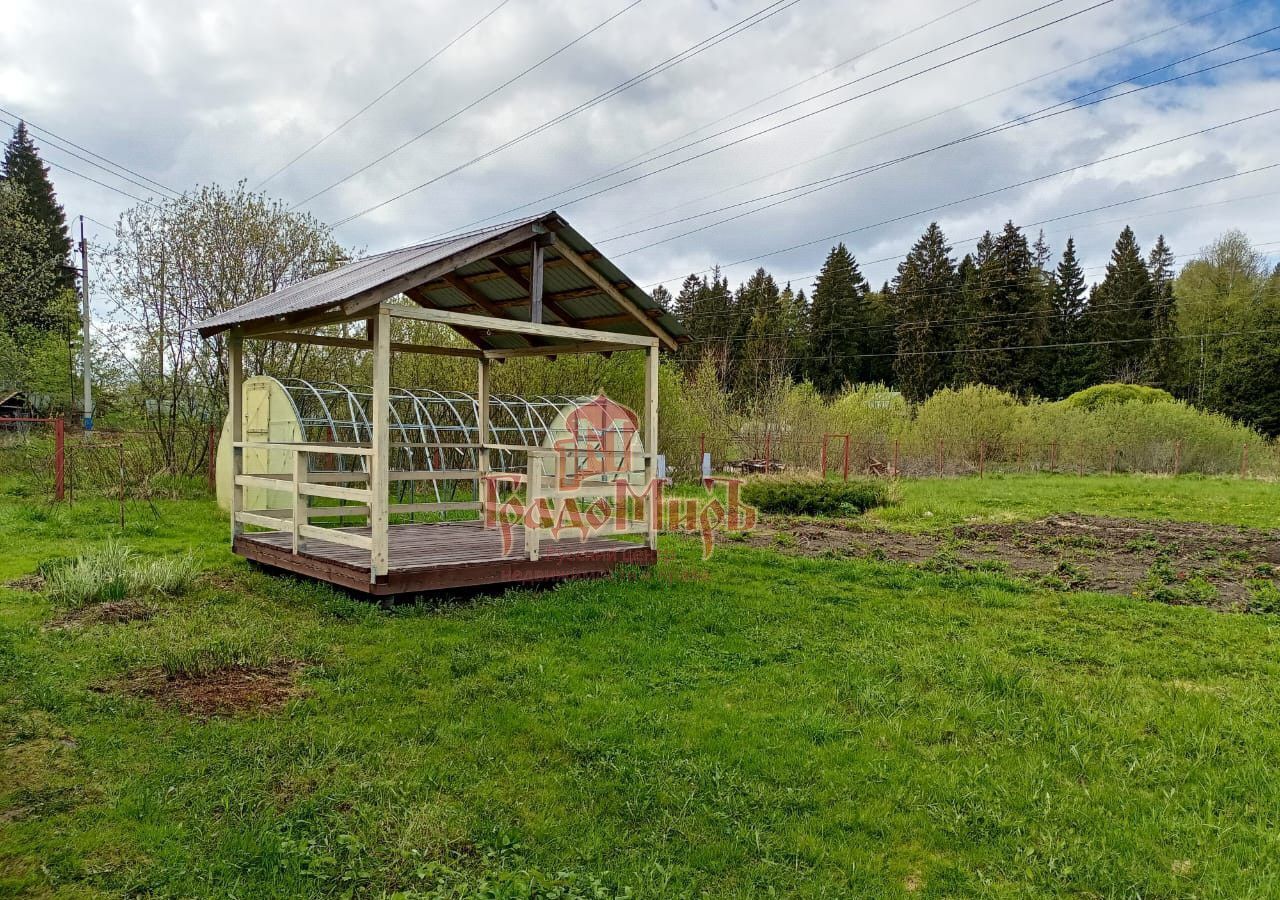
(325, 340)
(235, 418)
(488, 323)
(613, 293)
(379, 462)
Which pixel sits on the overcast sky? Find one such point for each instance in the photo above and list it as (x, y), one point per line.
(236, 89)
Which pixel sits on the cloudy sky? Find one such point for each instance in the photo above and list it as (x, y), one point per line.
(777, 129)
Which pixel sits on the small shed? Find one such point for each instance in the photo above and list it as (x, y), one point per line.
(534, 287)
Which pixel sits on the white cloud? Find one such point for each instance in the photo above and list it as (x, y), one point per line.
(235, 90)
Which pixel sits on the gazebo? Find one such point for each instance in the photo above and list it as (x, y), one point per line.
(534, 287)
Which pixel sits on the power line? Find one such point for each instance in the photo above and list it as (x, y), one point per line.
(1083, 212)
(1019, 184)
(812, 187)
(806, 276)
(795, 84)
(368, 106)
(56, 142)
(945, 293)
(927, 118)
(810, 114)
(1054, 346)
(756, 18)
(471, 105)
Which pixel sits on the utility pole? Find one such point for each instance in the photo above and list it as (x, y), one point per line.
(85, 366)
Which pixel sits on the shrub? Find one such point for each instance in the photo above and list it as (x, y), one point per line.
(815, 497)
(966, 418)
(114, 572)
(1108, 394)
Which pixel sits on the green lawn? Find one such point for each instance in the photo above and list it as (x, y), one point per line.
(755, 723)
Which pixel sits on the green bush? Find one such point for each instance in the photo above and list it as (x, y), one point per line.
(114, 572)
(1109, 394)
(815, 497)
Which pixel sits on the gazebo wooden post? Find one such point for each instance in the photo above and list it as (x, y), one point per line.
(379, 462)
(651, 443)
(235, 415)
(482, 434)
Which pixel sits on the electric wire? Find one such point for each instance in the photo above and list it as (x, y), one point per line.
(469, 106)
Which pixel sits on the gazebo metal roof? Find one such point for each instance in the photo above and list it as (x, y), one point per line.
(485, 272)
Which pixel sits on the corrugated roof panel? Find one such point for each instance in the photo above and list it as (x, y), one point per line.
(381, 270)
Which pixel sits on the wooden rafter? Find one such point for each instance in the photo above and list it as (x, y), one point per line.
(550, 300)
(614, 294)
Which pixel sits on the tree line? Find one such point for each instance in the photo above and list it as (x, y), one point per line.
(1006, 315)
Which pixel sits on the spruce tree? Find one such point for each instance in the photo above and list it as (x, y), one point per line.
(925, 296)
(1009, 307)
(838, 321)
(761, 352)
(1123, 312)
(1162, 356)
(24, 169)
(1068, 372)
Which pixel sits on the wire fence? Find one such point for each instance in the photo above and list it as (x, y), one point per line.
(766, 449)
(48, 459)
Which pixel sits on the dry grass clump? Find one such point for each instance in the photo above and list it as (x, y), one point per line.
(114, 572)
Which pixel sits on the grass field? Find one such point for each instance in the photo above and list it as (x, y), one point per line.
(756, 723)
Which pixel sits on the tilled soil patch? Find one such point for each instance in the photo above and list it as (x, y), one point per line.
(1221, 567)
(113, 613)
(225, 691)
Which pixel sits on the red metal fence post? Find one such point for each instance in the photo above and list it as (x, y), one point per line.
(768, 451)
(982, 459)
(1053, 456)
(1177, 456)
(941, 464)
(846, 457)
(59, 459)
(1244, 460)
(897, 456)
(822, 456)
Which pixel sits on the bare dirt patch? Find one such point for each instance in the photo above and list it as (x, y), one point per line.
(33, 583)
(1217, 566)
(113, 613)
(229, 690)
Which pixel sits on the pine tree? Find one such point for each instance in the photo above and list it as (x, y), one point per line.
(925, 295)
(1068, 372)
(838, 321)
(1009, 307)
(24, 168)
(1122, 307)
(1162, 357)
(705, 309)
(1041, 254)
(761, 352)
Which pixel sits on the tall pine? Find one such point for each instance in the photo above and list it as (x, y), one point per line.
(1068, 371)
(838, 321)
(925, 297)
(1008, 307)
(24, 169)
(1162, 358)
(1122, 313)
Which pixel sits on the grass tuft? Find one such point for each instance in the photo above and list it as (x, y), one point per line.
(114, 572)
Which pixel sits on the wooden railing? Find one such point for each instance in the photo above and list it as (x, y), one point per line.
(303, 484)
(541, 484)
(540, 481)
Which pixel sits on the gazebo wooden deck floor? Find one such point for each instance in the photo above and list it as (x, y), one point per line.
(433, 557)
